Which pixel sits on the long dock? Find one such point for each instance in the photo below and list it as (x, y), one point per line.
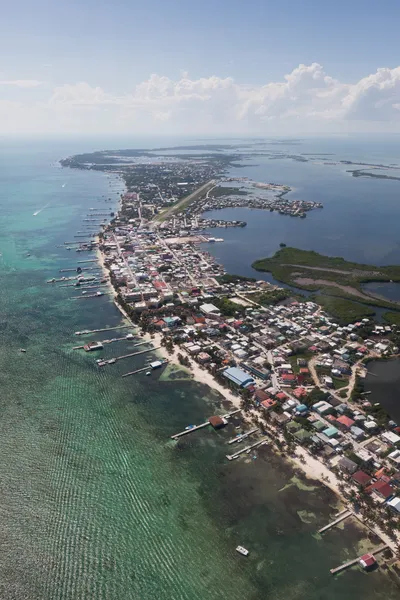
(137, 353)
(350, 563)
(342, 517)
(243, 436)
(246, 449)
(205, 424)
(87, 331)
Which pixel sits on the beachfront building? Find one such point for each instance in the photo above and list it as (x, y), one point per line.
(238, 377)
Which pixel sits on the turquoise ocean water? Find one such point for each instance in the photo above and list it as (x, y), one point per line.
(96, 502)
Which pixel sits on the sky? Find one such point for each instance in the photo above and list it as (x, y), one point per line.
(259, 67)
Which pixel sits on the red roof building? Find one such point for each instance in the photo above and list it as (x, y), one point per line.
(345, 421)
(381, 488)
(268, 403)
(367, 561)
(281, 396)
(261, 395)
(361, 478)
(300, 392)
(288, 377)
(217, 422)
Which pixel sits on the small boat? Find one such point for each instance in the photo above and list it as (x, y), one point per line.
(148, 372)
(22, 350)
(242, 551)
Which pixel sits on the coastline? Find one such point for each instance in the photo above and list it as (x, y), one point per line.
(312, 468)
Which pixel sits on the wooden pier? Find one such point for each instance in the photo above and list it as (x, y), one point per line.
(87, 331)
(350, 563)
(344, 515)
(196, 427)
(137, 353)
(246, 449)
(243, 436)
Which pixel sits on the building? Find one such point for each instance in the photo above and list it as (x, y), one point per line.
(394, 504)
(391, 437)
(361, 478)
(238, 377)
(347, 465)
(268, 403)
(217, 422)
(367, 561)
(210, 310)
(346, 422)
(380, 489)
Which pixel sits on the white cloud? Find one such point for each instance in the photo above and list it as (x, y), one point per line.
(21, 83)
(306, 99)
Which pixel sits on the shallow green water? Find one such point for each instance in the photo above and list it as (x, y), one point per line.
(95, 499)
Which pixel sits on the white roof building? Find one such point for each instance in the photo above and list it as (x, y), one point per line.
(394, 503)
(391, 437)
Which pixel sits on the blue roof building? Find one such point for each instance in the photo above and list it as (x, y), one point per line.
(331, 432)
(238, 376)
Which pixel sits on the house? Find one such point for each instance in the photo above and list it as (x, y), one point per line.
(237, 376)
(345, 422)
(394, 504)
(260, 395)
(361, 478)
(289, 378)
(347, 465)
(381, 489)
(299, 392)
(268, 403)
(391, 437)
(203, 357)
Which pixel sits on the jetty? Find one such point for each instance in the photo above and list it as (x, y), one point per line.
(350, 563)
(89, 331)
(246, 449)
(190, 429)
(243, 436)
(137, 353)
(340, 517)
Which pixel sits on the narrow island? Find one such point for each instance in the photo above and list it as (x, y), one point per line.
(285, 363)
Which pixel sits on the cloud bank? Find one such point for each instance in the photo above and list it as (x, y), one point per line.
(307, 99)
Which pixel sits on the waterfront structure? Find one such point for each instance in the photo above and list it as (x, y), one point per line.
(238, 377)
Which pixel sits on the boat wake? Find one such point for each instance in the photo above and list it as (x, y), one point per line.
(40, 210)
(63, 185)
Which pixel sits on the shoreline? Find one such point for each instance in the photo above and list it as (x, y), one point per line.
(312, 468)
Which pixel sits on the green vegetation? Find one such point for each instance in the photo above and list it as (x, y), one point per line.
(272, 297)
(336, 279)
(343, 310)
(392, 317)
(228, 278)
(227, 307)
(339, 383)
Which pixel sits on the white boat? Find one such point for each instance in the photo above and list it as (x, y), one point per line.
(22, 350)
(242, 551)
(148, 372)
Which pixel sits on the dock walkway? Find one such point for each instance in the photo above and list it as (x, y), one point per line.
(243, 436)
(344, 515)
(350, 563)
(246, 449)
(196, 427)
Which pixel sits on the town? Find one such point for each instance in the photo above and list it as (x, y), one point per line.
(296, 374)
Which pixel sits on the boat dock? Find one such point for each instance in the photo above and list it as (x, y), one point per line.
(246, 449)
(112, 340)
(196, 427)
(341, 517)
(350, 563)
(97, 295)
(88, 331)
(137, 353)
(243, 436)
